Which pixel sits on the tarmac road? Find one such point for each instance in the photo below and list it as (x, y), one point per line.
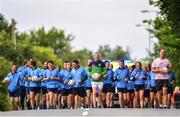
(96, 112)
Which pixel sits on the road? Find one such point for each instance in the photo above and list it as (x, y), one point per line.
(95, 112)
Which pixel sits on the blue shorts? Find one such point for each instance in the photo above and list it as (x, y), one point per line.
(14, 93)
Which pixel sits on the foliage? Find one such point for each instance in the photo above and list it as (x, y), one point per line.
(167, 30)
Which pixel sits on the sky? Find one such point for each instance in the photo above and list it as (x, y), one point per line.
(92, 22)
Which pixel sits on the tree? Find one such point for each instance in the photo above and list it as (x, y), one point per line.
(114, 54)
(166, 29)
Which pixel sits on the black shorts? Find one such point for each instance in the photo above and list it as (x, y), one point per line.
(59, 91)
(170, 90)
(43, 90)
(79, 91)
(27, 90)
(54, 90)
(130, 91)
(147, 93)
(66, 92)
(14, 93)
(153, 89)
(88, 88)
(138, 87)
(35, 89)
(161, 83)
(122, 90)
(107, 88)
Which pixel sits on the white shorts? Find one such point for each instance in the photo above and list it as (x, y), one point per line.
(99, 85)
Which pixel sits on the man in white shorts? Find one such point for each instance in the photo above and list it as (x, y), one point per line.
(97, 71)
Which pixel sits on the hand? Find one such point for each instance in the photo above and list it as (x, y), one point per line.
(126, 79)
(143, 76)
(79, 81)
(137, 76)
(65, 83)
(29, 78)
(52, 78)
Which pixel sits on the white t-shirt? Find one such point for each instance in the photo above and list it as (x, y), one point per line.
(161, 64)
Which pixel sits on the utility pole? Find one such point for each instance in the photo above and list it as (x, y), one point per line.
(13, 29)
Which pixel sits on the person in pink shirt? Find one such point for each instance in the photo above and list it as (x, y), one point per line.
(161, 66)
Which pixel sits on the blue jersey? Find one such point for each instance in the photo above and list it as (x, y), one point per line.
(88, 81)
(152, 79)
(35, 72)
(137, 76)
(23, 72)
(26, 71)
(147, 80)
(109, 77)
(14, 81)
(121, 74)
(43, 83)
(171, 77)
(66, 76)
(79, 74)
(51, 83)
(130, 84)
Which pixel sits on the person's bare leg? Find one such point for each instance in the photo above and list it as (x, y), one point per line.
(165, 96)
(141, 97)
(94, 96)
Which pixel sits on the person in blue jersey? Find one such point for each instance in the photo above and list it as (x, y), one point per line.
(13, 78)
(58, 67)
(153, 90)
(147, 88)
(88, 87)
(109, 79)
(138, 76)
(108, 83)
(44, 93)
(79, 76)
(130, 89)
(28, 104)
(34, 76)
(52, 77)
(22, 91)
(66, 76)
(171, 78)
(121, 75)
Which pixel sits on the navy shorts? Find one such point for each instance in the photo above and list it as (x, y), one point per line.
(147, 93)
(14, 93)
(54, 90)
(66, 92)
(122, 90)
(130, 91)
(108, 88)
(35, 89)
(79, 91)
(153, 89)
(43, 90)
(138, 87)
(88, 88)
(27, 90)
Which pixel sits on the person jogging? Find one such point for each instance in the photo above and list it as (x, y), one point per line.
(13, 78)
(97, 71)
(161, 67)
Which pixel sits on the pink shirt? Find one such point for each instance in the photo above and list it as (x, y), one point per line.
(159, 64)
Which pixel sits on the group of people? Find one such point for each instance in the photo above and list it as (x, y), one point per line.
(95, 86)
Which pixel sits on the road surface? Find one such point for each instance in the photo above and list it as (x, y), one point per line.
(95, 112)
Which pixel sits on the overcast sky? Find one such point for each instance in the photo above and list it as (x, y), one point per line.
(92, 22)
